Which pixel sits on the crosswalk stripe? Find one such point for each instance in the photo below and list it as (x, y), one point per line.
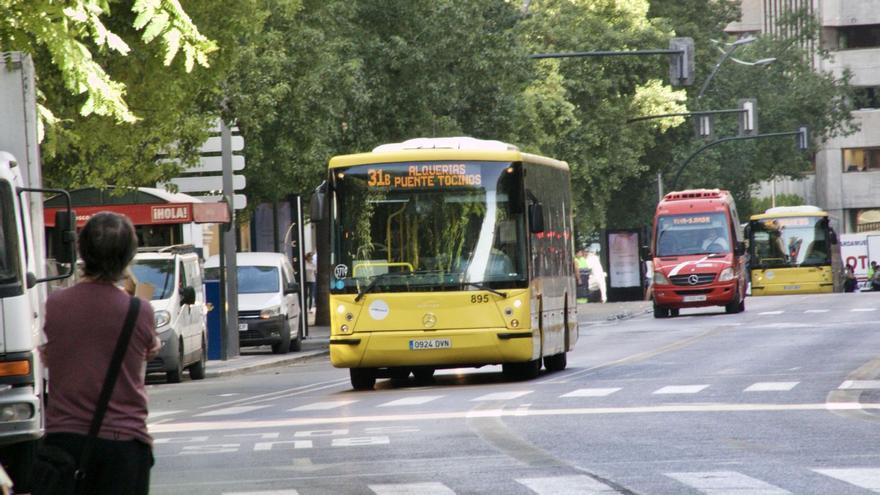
(566, 485)
(159, 414)
(765, 313)
(859, 385)
(680, 389)
(726, 483)
(229, 411)
(267, 492)
(430, 488)
(592, 392)
(863, 310)
(867, 478)
(816, 311)
(514, 394)
(771, 386)
(411, 401)
(323, 406)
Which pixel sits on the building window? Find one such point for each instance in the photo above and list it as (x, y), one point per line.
(867, 220)
(861, 159)
(865, 36)
(866, 97)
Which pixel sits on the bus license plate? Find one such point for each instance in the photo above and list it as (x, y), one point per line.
(700, 297)
(421, 344)
(242, 327)
(792, 287)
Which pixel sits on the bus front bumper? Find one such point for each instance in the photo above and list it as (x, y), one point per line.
(442, 348)
(682, 296)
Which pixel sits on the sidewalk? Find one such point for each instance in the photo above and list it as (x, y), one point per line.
(317, 343)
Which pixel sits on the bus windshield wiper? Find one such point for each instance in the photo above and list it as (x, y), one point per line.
(480, 286)
(371, 286)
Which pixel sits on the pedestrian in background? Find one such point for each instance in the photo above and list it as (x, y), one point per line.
(582, 275)
(597, 285)
(311, 284)
(82, 327)
(849, 279)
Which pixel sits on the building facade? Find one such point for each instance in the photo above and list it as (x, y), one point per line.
(846, 182)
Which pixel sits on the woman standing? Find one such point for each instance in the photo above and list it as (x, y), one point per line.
(83, 324)
(311, 285)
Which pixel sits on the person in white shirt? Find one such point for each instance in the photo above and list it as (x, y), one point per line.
(716, 238)
(597, 275)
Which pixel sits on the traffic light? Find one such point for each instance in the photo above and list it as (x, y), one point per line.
(681, 65)
(803, 138)
(706, 126)
(748, 117)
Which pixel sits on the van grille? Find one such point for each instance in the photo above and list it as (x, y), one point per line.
(692, 279)
(248, 314)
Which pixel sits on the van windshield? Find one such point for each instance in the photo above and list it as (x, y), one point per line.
(690, 234)
(158, 273)
(251, 279)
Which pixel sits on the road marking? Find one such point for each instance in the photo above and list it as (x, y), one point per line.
(816, 311)
(591, 392)
(863, 310)
(726, 483)
(867, 478)
(504, 413)
(680, 389)
(763, 313)
(514, 394)
(159, 414)
(323, 406)
(771, 386)
(267, 492)
(229, 411)
(860, 385)
(411, 401)
(430, 488)
(566, 485)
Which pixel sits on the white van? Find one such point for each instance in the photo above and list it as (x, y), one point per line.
(268, 300)
(178, 301)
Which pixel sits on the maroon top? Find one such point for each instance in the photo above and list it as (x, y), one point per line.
(82, 326)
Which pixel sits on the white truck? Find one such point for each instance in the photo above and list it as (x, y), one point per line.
(24, 269)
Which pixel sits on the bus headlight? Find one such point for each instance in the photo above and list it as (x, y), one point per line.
(726, 274)
(162, 318)
(660, 279)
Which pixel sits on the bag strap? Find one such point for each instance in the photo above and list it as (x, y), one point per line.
(109, 384)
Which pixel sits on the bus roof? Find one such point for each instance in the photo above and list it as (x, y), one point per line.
(791, 211)
(443, 149)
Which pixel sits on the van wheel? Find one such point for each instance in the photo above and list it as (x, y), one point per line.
(197, 369)
(660, 312)
(296, 343)
(174, 375)
(556, 362)
(362, 378)
(283, 347)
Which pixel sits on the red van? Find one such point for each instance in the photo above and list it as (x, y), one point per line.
(698, 253)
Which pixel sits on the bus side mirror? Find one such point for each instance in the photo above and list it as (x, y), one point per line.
(740, 248)
(832, 235)
(64, 237)
(188, 295)
(536, 218)
(317, 203)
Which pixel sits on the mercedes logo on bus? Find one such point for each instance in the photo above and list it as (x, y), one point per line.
(694, 279)
(429, 320)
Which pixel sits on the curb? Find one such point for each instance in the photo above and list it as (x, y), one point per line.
(262, 365)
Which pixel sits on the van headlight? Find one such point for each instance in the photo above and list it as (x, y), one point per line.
(660, 279)
(726, 274)
(270, 312)
(162, 318)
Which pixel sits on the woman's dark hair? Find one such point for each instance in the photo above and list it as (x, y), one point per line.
(107, 244)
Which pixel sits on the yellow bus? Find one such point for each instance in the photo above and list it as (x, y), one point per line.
(792, 250)
(448, 253)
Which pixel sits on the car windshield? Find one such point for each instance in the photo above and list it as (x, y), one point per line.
(421, 226)
(692, 234)
(158, 273)
(251, 279)
(789, 242)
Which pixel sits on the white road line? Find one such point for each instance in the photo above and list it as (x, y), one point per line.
(430, 488)
(411, 401)
(229, 411)
(863, 310)
(267, 492)
(860, 385)
(159, 414)
(680, 389)
(816, 311)
(771, 386)
(726, 483)
(566, 485)
(514, 394)
(764, 313)
(323, 406)
(867, 478)
(591, 392)
(410, 417)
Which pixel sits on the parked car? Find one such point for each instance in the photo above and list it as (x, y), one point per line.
(268, 300)
(178, 300)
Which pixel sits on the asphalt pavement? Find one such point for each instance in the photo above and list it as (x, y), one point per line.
(316, 344)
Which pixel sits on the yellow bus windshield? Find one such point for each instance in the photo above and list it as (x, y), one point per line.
(428, 226)
(789, 242)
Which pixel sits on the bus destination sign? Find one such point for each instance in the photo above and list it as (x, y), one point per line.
(424, 176)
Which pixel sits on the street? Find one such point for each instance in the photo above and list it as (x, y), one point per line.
(783, 398)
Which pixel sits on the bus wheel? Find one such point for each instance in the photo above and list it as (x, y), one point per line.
(522, 371)
(736, 306)
(660, 312)
(423, 375)
(556, 362)
(362, 378)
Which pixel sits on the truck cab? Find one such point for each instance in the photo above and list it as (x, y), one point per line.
(698, 253)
